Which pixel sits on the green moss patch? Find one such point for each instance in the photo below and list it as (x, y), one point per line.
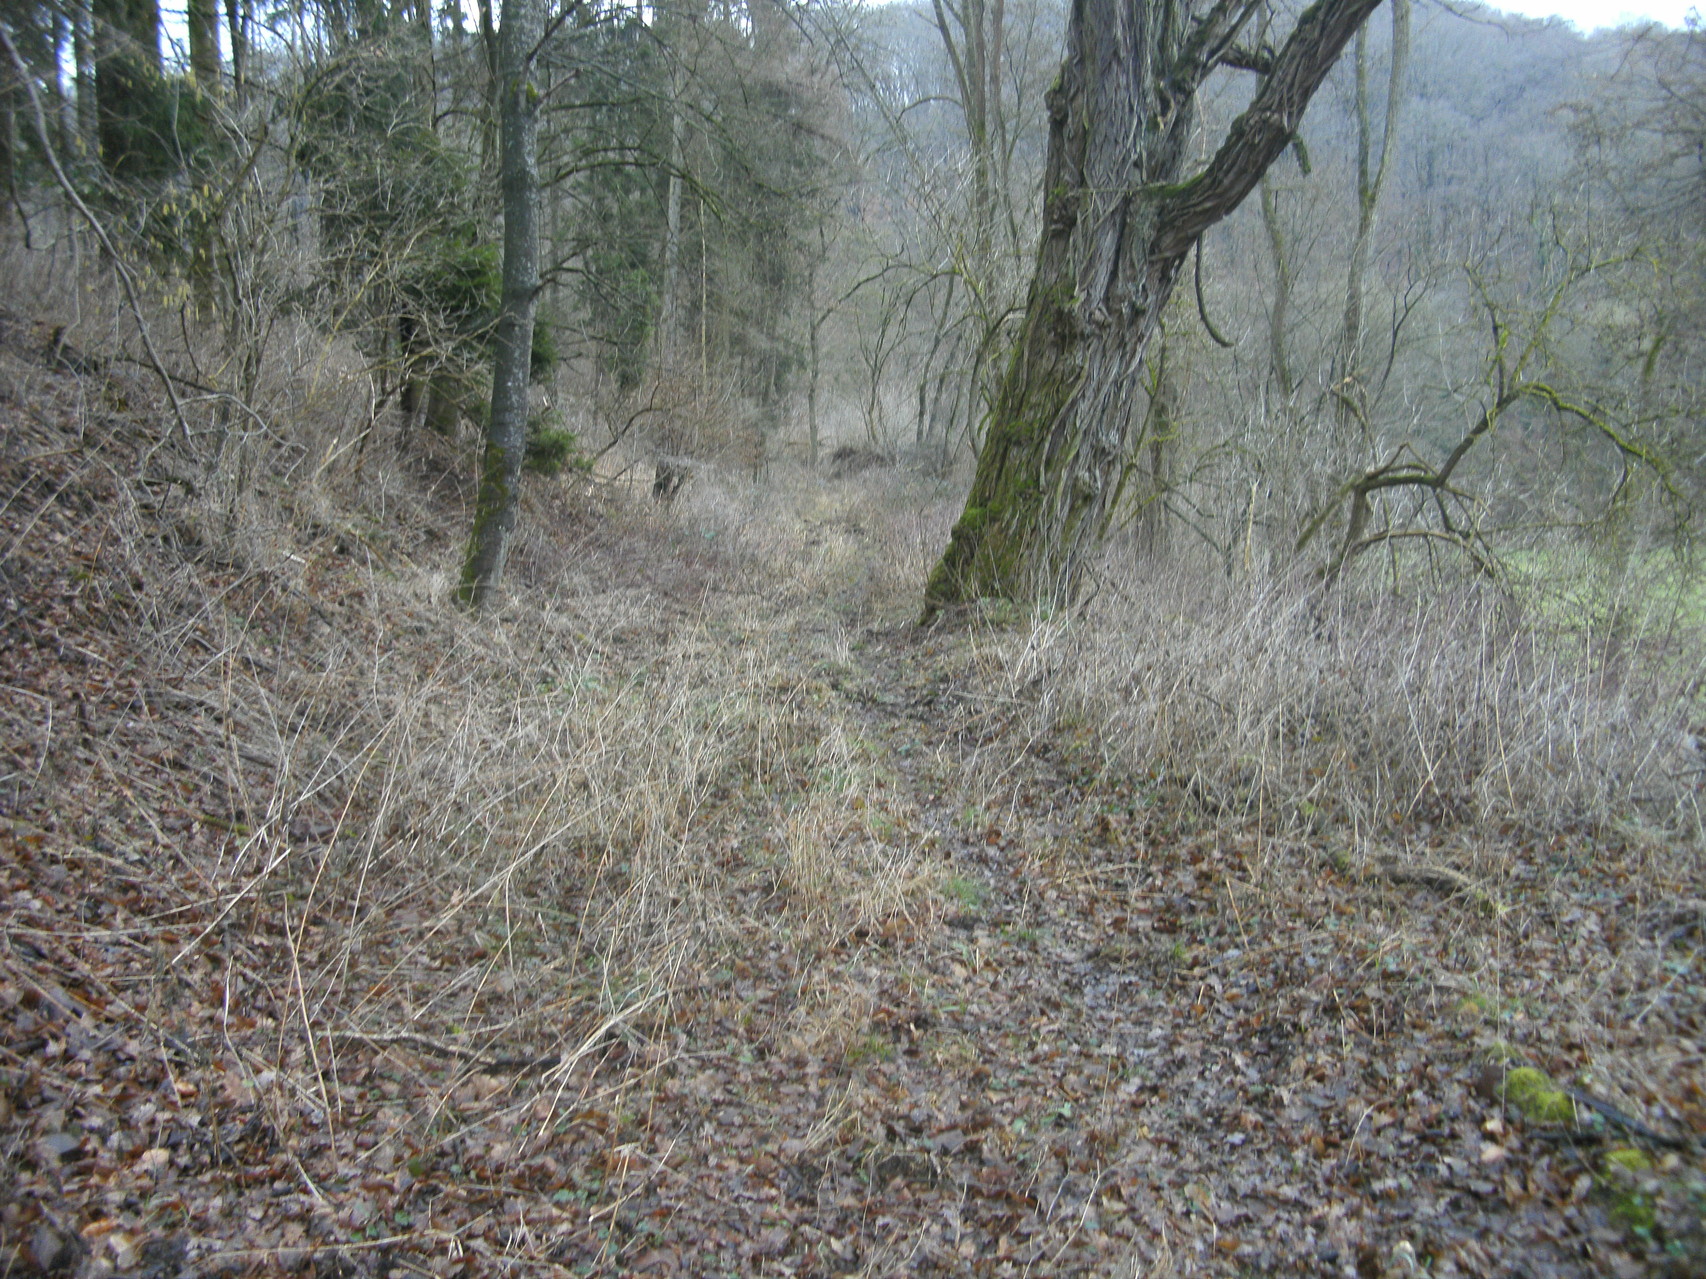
(1627, 1159)
(1536, 1097)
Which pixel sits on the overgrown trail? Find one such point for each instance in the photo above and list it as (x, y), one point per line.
(1130, 1043)
(664, 925)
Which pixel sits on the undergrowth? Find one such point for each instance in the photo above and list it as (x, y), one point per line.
(663, 784)
(1459, 703)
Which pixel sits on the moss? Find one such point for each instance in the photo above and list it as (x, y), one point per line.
(1002, 613)
(1636, 1211)
(969, 894)
(869, 1048)
(1532, 1093)
(1002, 546)
(1627, 1159)
(492, 505)
(1172, 190)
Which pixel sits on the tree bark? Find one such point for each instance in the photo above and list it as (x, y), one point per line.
(10, 92)
(1279, 314)
(83, 53)
(975, 58)
(1118, 222)
(202, 19)
(667, 478)
(1371, 178)
(127, 79)
(506, 433)
(237, 32)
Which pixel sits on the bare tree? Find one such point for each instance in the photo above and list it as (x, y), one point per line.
(1119, 219)
(506, 432)
(1350, 385)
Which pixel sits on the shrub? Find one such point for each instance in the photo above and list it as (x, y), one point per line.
(549, 450)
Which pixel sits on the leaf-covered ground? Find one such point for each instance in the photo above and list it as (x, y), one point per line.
(952, 998)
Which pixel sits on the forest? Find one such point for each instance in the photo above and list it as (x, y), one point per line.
(817, 637)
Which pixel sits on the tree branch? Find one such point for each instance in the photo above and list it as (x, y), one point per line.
(1220, 340)
(1260, 60)
(1264, 130)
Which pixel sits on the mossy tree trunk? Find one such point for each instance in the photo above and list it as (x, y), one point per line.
(506, 432)
(1118, 220)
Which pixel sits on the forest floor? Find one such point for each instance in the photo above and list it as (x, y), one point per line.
(912, 983)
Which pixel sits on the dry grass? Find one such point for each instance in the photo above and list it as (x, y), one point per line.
(546, 831)
(502, 830)
(1461, 704)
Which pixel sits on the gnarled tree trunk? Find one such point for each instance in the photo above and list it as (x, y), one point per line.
(1117, 224)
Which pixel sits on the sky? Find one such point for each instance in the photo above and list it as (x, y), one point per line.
(1591, 14)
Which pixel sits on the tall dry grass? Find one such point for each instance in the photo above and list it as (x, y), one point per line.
(504, 831)
(1459, 701)
(564, 789)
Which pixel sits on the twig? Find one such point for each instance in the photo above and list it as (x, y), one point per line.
(551, 1061)
(1612, 1115)
(1442, 879)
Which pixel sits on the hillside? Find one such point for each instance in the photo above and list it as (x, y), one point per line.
(696, 914)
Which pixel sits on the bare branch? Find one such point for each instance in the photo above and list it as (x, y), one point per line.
(1264, 130)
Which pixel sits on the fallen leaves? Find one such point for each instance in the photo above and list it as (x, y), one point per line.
(968, 1009)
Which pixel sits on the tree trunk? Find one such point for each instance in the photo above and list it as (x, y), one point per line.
(1279, 314)
(444, 399)
(506, 433)
(237, 32)
(814, 350)
(10, 91)
(127, 86)
(202, 19)
(666, 478)
(1161, 433)
(1117, 224)
(1370, 179)
(974, 55)
(83, 53)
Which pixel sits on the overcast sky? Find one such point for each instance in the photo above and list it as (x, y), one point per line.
(1589, 14)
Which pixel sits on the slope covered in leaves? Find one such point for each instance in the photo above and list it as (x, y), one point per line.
(695, 915)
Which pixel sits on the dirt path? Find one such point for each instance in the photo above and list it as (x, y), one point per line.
(1128, 1049)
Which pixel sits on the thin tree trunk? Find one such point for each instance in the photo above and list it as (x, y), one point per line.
(1279, 314)
(489, 44)
(669, 308)
(1349, 372)
(1160, 435)
(10, 92)
(667, 473)
(1118, 222)
(83, 52)
(236, 32)
(814, 350)
(127, 76)
(506, 433)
